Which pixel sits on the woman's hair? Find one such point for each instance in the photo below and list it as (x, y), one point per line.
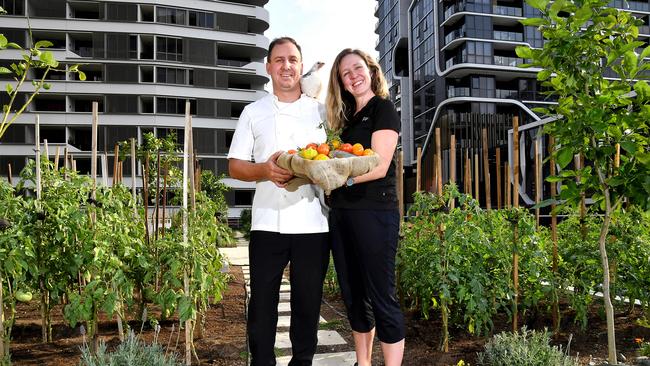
(340, 103)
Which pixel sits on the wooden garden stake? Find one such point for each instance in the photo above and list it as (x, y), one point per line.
(9, 179)
(47, 150)
(418, 171)
(37, 131)
(186, 279)
(556, 307)
(452, 163)
(476, 178)
(93, 156)
(133, 161)
(438, 161)
(515, 239)
(468, 173)
(538, 191)
(157, 212)
(498, 171)
(486, 171)
(508, 187)
(56, 159)
(115, 164)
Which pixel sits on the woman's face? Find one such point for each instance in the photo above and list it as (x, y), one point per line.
(355, 75)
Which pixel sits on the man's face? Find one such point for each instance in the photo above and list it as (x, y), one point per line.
(285, 67)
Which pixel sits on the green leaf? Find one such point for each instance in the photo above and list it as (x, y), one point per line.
(533, 22)
(524, 52)
(9, 88)
(645, 53)
(82, 75)
(4, 70)
(583, 14)
(642, 89)
(629, 146)
(43, 44)
(48, 59)
(630, 61)
(47, 86)
(557, 6)
(3, 41)
(545, 203)
(14, 46)
(644, 158)
(544, 74)
(564, 156)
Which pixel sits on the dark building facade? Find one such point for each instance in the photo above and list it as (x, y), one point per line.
(459, 57)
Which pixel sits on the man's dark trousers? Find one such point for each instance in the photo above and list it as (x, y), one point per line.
(269, 253)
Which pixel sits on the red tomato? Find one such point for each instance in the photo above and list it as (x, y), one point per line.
(323, 149)
(346, 147)
(313, 145)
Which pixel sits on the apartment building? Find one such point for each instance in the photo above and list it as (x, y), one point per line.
(143, 60)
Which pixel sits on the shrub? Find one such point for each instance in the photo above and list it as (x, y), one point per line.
(131, 352)
(525, 348)
(245, 223)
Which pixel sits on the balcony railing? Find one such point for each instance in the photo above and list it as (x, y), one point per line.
(644, 29)
(84, 51)
(506, 10)
(457, 91)
(506, 94)
(458, 33)
(496, 9)
(508, 36)
(507, 61)
(630, 5)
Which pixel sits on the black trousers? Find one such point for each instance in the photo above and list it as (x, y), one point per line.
(364, 245)
(269, 253)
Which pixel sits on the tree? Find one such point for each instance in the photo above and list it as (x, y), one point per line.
(33, 57)
(601, 119)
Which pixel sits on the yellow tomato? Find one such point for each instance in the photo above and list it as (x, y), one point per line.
(308, 153)
(357, 149)
(368, 152)
(335, 144)
(321, 157)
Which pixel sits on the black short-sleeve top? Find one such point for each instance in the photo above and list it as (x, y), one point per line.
(378, 114)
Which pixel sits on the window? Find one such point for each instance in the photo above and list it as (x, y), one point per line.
(170, 15)
(170, 49)
(170, 75)
(173, 105)
(201, 19)
(13, 7)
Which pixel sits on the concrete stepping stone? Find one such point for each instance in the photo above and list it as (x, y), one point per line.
(285, 321)
(325, 338)
(325, 359)
(237, 256)
(285, 296)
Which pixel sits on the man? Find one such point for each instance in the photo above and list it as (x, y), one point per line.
(286, 227)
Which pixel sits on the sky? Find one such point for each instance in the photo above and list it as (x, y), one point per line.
(323, 28)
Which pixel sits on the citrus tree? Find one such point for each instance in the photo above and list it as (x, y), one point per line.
(584, 41)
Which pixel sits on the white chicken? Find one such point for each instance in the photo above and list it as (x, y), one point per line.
(312, 82)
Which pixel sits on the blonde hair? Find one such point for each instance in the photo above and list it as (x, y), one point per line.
(339, 101)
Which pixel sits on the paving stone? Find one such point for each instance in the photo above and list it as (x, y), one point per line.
(237, 256)
(326, 359)
(285, 321)
(285, 296)
(325, 338)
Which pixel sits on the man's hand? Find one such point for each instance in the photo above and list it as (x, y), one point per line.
(275, 173)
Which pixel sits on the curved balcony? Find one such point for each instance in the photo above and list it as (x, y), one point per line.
(482, 9)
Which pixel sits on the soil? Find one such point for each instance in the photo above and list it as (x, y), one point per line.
(224, 340)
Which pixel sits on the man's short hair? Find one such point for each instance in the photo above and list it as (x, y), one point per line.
(279, 41)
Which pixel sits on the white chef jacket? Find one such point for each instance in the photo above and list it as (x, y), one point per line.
(265, 127)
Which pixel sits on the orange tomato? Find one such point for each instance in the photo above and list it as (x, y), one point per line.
(368, 152)
(357, 149)
(335, 143)
(291, 152)
(313, 145)
(323, 149)
(346, 147)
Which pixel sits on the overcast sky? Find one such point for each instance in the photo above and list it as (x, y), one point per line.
(324, 27)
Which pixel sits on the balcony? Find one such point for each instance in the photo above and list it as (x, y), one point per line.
(457, 33)
(496, 9)
(508, 36)
(508, 61)
(644, 29)
(630, 5)
(506, 94)
(458, 91)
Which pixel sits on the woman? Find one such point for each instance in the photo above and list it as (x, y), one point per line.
(364, 220)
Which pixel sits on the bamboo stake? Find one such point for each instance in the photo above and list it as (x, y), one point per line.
(400, 183)
(65, 163)
(56, 159)
(486, 171)
(515, 203)
(74, 163)
(186, 280)
(452, 158)
(476, 178)
(93, 156)
(115, 164)
(133, 161)
(418, 171)
(498, 171)
(145, 196)
(191, 167)
(438, 161)
(468, 173)
(104, 160)
(47, 150)
(157, 212)
(37, 131)
(556, 306)
(9, 179)
(538, 191)
(508, 186)
(434, 180)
